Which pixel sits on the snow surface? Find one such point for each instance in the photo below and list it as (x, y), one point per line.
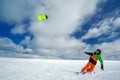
(39, 69)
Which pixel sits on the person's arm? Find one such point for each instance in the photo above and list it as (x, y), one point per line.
(101, 62)
(89, 53)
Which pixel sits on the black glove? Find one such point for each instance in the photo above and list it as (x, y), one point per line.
(102, 67)
(89, 53)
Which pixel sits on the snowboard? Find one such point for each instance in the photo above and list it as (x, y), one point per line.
(78, 73)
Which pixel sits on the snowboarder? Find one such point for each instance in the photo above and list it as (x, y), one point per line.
(94, 57)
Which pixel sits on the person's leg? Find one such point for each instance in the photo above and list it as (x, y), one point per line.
(86, 67)
(91, 69)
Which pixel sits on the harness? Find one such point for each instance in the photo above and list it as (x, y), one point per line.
(93, 59)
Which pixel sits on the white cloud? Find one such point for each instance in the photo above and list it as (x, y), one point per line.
(51, 37)
(8, 45)
(18, 29)
(103, 27)
(15, 11)
(26, 40)
(116, 22)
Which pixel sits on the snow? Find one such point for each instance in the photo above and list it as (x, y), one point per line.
(40, 69)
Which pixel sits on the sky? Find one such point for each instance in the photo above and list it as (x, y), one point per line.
(72, 27)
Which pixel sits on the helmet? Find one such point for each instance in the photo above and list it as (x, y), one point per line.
(99, 50)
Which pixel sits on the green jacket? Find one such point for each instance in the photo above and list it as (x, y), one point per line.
(99, 57)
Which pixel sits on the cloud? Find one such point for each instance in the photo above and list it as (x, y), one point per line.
(18, 29)
(8, 45)
(52, 37)
(104, 27)
(26, 40)
(15, 11)
(116, 22)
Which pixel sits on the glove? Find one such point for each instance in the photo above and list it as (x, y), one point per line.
(102, 67)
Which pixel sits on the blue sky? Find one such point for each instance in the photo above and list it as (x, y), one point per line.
(108, 9)
(70, 29)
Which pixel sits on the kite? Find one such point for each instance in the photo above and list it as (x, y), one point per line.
(42, 17)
